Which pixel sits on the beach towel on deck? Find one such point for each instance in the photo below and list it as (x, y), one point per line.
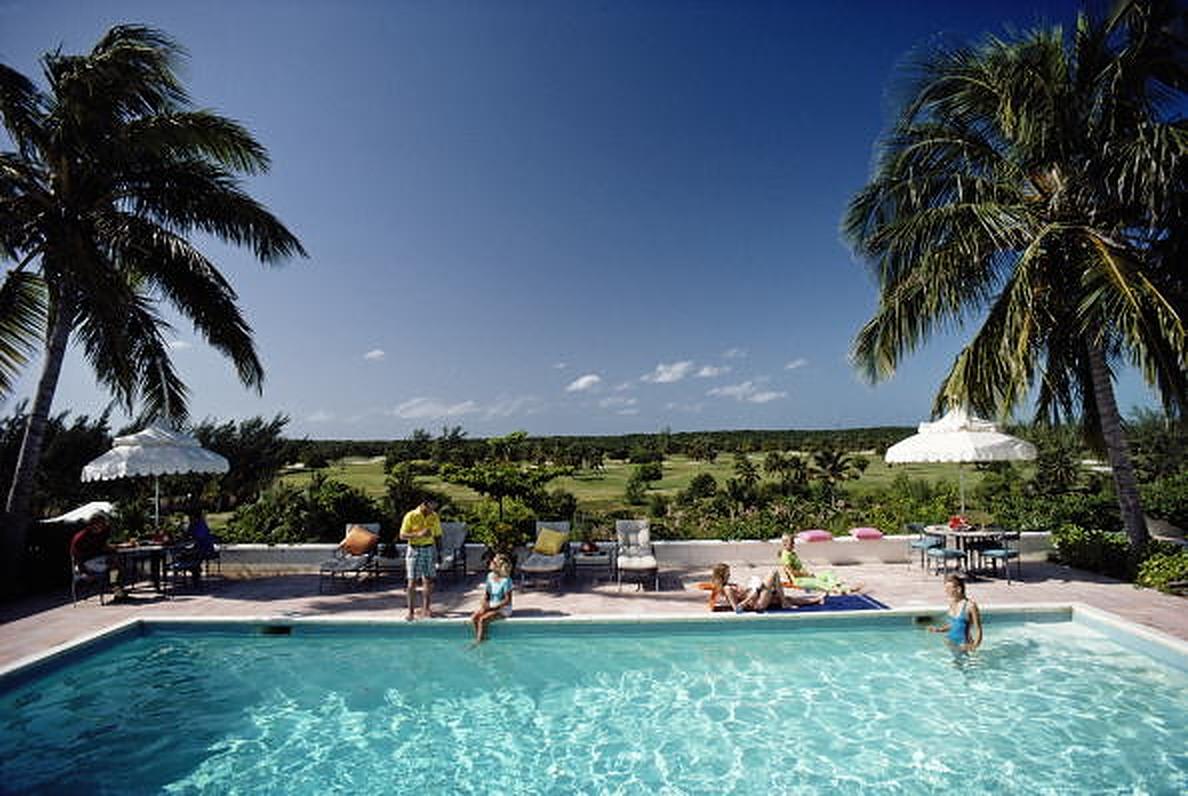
(846, 602)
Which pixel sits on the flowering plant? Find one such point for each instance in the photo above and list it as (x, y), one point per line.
(958, 521)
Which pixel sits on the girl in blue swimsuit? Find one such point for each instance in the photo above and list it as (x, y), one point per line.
(497, 597)
(964, 628)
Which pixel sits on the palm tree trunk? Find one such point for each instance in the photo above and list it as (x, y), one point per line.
(20, 496)
(1118, 451)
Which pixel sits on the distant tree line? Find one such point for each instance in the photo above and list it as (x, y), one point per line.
(454, 446)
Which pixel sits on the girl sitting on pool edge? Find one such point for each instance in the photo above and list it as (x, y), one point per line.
(964, 627)
(497, 597)
(760, 594)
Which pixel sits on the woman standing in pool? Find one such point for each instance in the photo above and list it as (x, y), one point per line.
(497, 597)
(964, 628)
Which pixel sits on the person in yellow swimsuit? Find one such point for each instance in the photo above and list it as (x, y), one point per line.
(421, 528)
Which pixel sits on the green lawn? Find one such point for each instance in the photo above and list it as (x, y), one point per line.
(602, 492)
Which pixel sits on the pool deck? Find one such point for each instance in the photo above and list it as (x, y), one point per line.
(34, 625)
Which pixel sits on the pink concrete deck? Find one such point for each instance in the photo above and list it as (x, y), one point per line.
(32, 626)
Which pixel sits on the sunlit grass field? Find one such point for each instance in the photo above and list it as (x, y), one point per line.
(603, 491)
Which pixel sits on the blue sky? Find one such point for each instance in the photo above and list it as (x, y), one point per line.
(563, 217)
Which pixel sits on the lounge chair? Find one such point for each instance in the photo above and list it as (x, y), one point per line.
(636, 560)
(453, 550)
(354, 555)
(548, 559)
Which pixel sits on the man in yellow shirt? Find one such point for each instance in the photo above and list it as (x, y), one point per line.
(421, 528)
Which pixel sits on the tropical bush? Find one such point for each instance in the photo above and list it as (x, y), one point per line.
(1022, 512)
(289, 515)
(501, 530)
(1167, 499)
(1096, 550)
(1163, 569)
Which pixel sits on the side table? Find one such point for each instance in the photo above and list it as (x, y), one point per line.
(595, 565)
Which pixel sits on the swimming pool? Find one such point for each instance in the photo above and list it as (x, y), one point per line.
(853, 706)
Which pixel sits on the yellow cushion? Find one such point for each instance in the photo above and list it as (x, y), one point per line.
(359, 541)
(550, 542)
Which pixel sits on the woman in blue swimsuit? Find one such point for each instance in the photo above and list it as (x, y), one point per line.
(964, 628)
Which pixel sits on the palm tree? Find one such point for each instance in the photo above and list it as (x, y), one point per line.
(113, 171)
(1036, 187)
(831, 467)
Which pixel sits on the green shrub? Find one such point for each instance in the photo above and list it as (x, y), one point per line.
(1095, 550)
(1164, 568)
(516, 527)
(1167, 499)
(289, 515)
(1044, 513)
(702, 485)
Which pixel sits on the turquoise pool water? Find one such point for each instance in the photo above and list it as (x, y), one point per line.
(1046, 706)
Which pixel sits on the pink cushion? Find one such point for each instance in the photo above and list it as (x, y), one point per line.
(816, 535)
(866, 533)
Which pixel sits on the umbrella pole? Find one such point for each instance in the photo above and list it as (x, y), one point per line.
(961, 481)
(157, 503)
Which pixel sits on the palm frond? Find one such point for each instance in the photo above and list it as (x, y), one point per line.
(22, 107)
(172, 267)
(23, 314)
(184, 134)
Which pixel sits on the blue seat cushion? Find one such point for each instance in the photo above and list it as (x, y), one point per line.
(1000, 553)
(925, 544)
(945, 552)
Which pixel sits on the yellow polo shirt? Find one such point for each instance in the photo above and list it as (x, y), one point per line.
(415, 521)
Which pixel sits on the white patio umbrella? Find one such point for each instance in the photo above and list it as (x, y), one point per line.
(959, 437)
(154, 451)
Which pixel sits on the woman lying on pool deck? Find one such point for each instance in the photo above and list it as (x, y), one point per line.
(760, 594)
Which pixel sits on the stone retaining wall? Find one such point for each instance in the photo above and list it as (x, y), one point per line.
(259, 559)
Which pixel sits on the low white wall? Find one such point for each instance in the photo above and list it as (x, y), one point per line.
(265, 559)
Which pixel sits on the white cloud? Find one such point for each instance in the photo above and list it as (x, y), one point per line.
(734, 353)
(518, 405)
(668, 373)
(583, 382)
(423, 408)
(320, 416)
(627, 412)
(617, 402)
(374, 355)
(748, 392)
(709, 371)
(799, 362)
(179, 345)
(678, 407)
(561, 365)
(623, 386)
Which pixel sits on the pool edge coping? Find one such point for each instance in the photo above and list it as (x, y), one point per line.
(1173, 649)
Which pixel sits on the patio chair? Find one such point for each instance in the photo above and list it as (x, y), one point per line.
(548, 559)
(354, 555)
(453, 550)
(923, 542)
(83, 581)
(193, 559)
(636, 560)
(940, 557)
(389, 560)
(1000, 549)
